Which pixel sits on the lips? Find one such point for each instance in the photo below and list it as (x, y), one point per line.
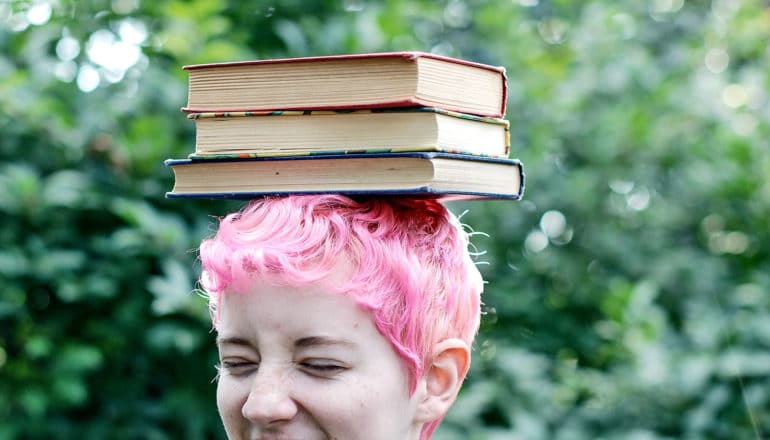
(275, 436)
(284, 435)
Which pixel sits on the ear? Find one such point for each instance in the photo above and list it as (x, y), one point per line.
(443, 378)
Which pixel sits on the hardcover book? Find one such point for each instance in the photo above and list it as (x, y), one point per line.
(448, 176)
(283, 133)
(360, 81)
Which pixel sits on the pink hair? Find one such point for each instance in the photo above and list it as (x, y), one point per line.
(410, 264)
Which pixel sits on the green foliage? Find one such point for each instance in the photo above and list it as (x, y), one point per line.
(627, 296)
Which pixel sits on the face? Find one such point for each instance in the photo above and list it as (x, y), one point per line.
(306, 363)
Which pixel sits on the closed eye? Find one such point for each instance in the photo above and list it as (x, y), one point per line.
(237, 367)
(322, 368)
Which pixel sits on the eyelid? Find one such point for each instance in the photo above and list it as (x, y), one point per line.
(237, 362)
(236, 366)
(322, 366)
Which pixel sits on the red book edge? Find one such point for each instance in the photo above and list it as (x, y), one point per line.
(408, 55)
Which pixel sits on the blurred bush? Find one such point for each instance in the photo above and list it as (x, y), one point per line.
(628, 294)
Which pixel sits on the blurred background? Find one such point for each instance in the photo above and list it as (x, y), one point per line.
(628, 293)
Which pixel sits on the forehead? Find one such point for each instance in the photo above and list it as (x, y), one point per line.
(280, 310)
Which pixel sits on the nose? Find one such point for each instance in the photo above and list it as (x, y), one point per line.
(270, 400)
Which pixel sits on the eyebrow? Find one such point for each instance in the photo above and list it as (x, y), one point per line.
(314, 341)
(309, 341)
(233, 340)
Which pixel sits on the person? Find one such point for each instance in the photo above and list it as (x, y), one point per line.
(339, 318)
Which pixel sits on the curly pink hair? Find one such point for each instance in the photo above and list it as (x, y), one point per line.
(411, 268)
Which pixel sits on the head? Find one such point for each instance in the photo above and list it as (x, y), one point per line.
(373, 302)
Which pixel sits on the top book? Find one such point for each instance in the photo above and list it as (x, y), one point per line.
(360, 81)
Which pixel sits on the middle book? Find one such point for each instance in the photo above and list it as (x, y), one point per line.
(297, 133)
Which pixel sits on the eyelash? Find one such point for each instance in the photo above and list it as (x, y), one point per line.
(323, 368)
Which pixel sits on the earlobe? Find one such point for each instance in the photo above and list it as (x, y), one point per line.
(443, 378)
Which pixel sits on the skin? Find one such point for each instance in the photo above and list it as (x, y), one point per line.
(304, 363)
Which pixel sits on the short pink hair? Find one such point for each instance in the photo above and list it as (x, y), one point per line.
(411, 268)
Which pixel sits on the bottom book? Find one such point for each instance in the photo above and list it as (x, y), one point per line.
(448, 176)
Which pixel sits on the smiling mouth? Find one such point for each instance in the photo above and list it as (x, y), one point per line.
(279, 436)
(284, 436)
(274, 436)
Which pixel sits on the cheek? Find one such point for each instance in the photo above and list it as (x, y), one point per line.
(230, 400)
(366, 405)
(379, 411)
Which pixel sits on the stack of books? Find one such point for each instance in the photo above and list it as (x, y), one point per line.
(397, 123)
